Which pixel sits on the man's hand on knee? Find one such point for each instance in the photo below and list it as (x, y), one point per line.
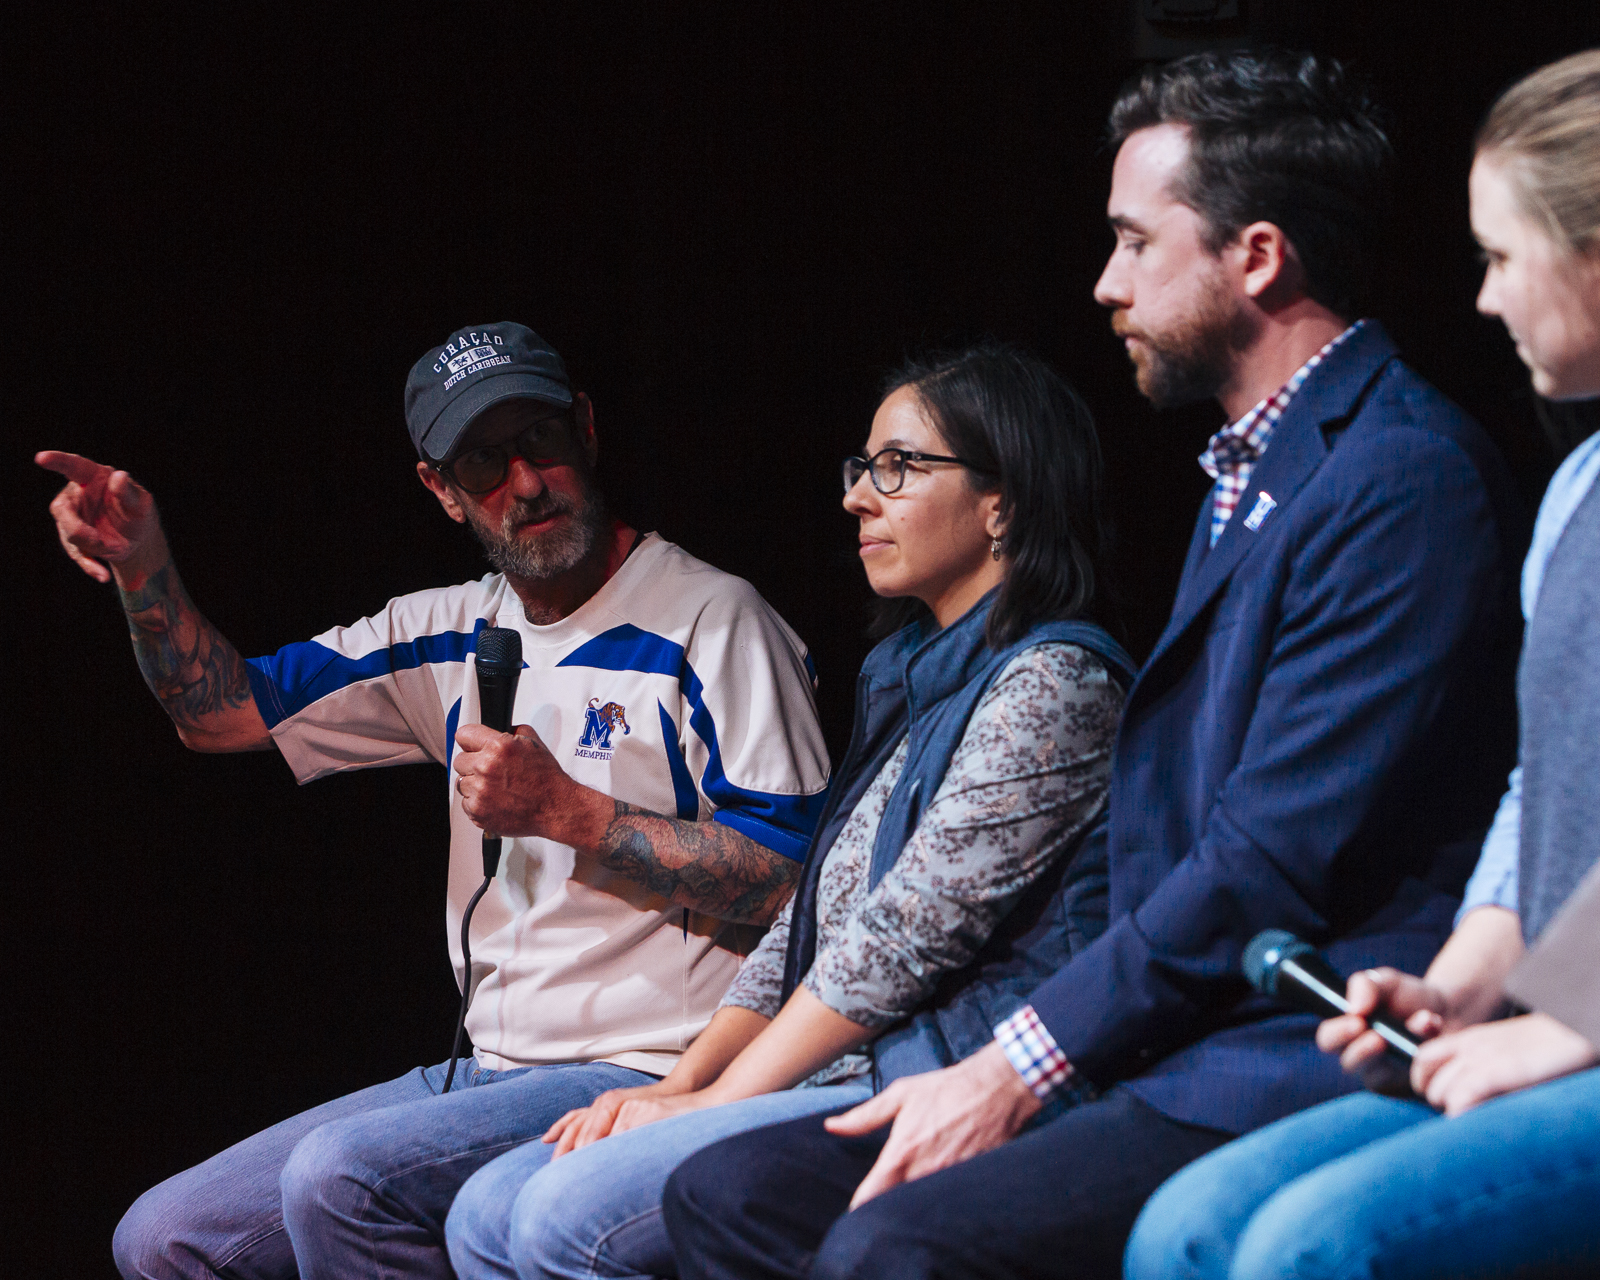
(940, 1119)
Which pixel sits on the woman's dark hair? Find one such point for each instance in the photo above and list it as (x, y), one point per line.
(1030, 437)
(1287, 138)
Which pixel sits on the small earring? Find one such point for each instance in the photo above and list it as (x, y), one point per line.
(994, 547)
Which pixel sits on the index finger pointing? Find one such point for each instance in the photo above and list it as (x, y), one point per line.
(73, 466)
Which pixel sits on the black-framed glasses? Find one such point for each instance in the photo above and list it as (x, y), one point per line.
(544, 442)
(887, 468)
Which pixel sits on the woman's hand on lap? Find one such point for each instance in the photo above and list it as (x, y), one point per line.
(580, 1127)
(639, 1111)
(1461, 1069)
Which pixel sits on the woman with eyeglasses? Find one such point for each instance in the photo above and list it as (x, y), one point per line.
(1484, 1157)
(960, 859)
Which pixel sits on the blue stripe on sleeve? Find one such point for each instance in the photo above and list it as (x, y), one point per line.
(688, 799)
(266, 693)
(782, 823)
(765, 834)
(299, 674)
(450, 723)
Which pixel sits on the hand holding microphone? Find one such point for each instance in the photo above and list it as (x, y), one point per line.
(1280, 965)
(509, 786)
(499, 665)
(1376, 1022)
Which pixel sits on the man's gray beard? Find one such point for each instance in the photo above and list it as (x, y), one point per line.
(549, 554)
(1191, 361)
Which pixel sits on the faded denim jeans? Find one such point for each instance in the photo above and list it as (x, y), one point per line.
(357, 1187)
(597, 1211)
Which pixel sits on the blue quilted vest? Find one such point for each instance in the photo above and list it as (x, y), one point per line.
(924, 684)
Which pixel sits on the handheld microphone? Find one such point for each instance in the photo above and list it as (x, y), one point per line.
(1280, 965)
(498, 664)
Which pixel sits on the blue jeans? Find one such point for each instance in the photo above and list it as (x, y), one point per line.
(356, 1187)
(1367, 1186)
(597, 1211)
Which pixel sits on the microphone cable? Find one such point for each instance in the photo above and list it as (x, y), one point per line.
(466, 979)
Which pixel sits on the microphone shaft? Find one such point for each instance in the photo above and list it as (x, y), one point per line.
(1320, 995)
(497, 691)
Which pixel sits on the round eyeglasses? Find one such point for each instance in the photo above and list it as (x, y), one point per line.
(542, 443)
(887, 468)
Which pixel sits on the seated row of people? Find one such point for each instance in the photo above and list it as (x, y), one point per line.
(1005, 1005)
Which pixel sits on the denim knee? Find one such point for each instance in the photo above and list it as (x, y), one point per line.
(476, 1231)
(1179, 1234)
(169, 1234)
(322, 1178)
(555, 1229)
(143, 1241)
(1298, 1231)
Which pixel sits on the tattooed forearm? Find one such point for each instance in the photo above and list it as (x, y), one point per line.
(188, 664)
(705, 866)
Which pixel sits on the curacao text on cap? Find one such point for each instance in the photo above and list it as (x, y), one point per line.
(468, 353)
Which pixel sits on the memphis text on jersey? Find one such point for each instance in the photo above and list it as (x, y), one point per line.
(599, 723)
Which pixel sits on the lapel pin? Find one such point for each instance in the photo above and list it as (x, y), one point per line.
(1265, 502)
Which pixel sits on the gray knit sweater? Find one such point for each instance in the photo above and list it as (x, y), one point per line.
(1558, 698)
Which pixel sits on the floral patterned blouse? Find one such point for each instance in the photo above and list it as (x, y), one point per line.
(1027, 778)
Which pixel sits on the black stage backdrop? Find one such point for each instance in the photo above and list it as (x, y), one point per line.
(228, 235)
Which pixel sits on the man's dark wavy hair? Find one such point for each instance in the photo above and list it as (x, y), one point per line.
(1288, 138)
(1030, 436)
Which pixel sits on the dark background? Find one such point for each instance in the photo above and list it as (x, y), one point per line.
(228, 236)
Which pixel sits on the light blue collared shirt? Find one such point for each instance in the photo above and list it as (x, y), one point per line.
(1494, 880)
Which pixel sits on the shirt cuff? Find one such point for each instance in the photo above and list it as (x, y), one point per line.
(1033, 1051)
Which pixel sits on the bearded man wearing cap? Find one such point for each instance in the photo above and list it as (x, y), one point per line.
(657, 793)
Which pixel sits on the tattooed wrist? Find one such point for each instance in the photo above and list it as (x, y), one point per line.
(154, 588)
(190, 667)
(706, 866)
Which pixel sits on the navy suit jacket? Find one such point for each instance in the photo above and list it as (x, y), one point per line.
(1316, 743)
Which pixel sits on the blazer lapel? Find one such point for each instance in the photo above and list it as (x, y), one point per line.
(1199, 548)
(1294, 452)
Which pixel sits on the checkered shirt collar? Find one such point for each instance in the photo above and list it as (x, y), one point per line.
(1241, 443)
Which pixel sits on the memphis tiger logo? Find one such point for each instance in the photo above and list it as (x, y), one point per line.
(600, 721)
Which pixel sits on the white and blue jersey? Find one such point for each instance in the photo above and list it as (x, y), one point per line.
(676, 687)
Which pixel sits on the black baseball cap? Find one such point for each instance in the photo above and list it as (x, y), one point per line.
(480, 365)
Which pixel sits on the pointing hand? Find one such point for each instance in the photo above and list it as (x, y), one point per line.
(103, 517)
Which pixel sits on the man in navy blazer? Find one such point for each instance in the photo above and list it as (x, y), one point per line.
(1316, 742)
